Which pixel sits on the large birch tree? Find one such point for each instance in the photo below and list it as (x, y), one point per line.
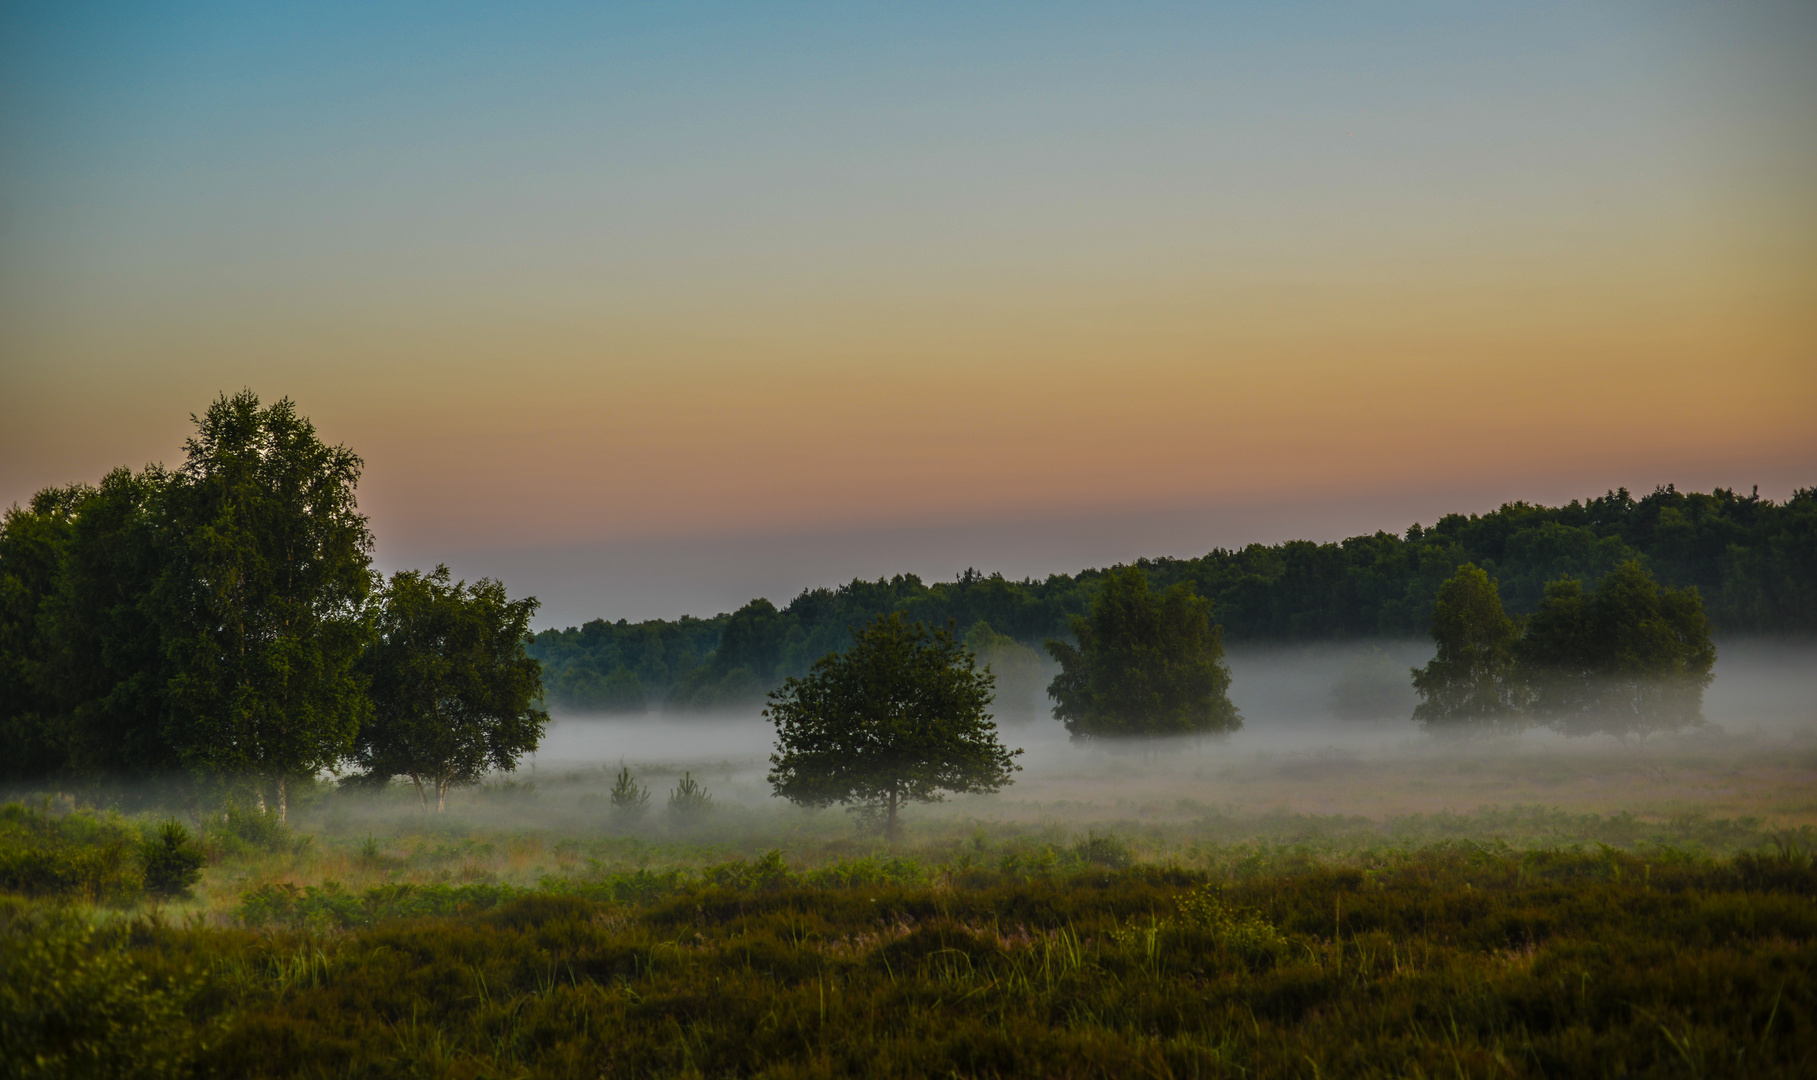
(263, 597)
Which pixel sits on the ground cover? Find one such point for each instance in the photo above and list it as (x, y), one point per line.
(1191, 913)
(1444, 959)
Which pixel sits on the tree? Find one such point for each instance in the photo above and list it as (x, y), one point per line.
(1629, 658)
(451, 687)
(1471, 681)
(172, 860)
(1146, 664)
(262, 596)
(1016, 666)
(110, 666)
(743, 664)
(901, 716)
(689, 802)
(630, 800)
(33, 542)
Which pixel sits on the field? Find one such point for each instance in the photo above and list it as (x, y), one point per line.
(1366, 903)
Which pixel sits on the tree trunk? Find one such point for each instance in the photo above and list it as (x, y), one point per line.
(892, 824)
(260, 788)
(283, 798)
(441, 795)
(422, 800)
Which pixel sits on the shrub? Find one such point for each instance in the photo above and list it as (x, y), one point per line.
(173, 863)
(242, 831)
(767, 874)
(73, 1003)
(72, 855)
(1110, 851)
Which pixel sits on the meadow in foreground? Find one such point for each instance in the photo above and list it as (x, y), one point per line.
(1268, 946)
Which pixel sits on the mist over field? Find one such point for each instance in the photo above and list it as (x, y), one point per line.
(1304, 747)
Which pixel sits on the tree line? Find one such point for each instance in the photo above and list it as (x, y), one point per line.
(904, 714)
(1752, 560)
(221, 623)
(1625, 658)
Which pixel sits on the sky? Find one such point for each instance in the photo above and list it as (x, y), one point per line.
(649, 309)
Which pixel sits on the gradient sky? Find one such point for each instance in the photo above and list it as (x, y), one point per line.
(653, 308)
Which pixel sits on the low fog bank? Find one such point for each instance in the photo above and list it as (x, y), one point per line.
(1313, 715)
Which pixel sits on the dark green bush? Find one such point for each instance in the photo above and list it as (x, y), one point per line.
(1110, 851)
(77, 855)
(75, 1003)
(173, 862)
(237, 830)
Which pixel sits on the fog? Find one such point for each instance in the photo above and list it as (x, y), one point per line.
(1326, 730)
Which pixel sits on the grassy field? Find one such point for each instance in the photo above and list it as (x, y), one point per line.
(1342, 910)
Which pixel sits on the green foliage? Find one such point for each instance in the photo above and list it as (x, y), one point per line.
(75, 1003)
(1146, 664)
(1471, 682)
(580, 660)
(239, 830)
(767, 874)
(331, 906)
(263, 593)
(1458, 959)
(1017, 669)
(77, 855)
(1627, 658)
(1107, 850)
(629, 800)
(689, 802)
(452, 690)
(109, 666)
(900, 717)
(33, 545)
(1203, 920)
(1753, 561)
(172, 861)
(743, 665)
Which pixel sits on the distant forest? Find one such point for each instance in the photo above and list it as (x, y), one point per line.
(1753, 560)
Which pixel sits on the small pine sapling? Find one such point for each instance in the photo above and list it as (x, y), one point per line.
(629, 800)
(173, 862)
(689, 801)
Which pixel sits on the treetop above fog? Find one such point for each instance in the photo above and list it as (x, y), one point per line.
(1752, 560)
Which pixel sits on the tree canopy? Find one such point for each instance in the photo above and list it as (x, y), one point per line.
(1146, 663)
(452, 691)
(1628, 657)
(1752, 559)
(1471, 682)
(214, 621)
(901, 716)
(263, 595)
(1016, 667)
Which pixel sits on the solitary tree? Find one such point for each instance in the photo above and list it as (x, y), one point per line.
(1471, 682)
(262, 596)
(452, 689)
(1146, 664)
(901, 716)
(1629, 658)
